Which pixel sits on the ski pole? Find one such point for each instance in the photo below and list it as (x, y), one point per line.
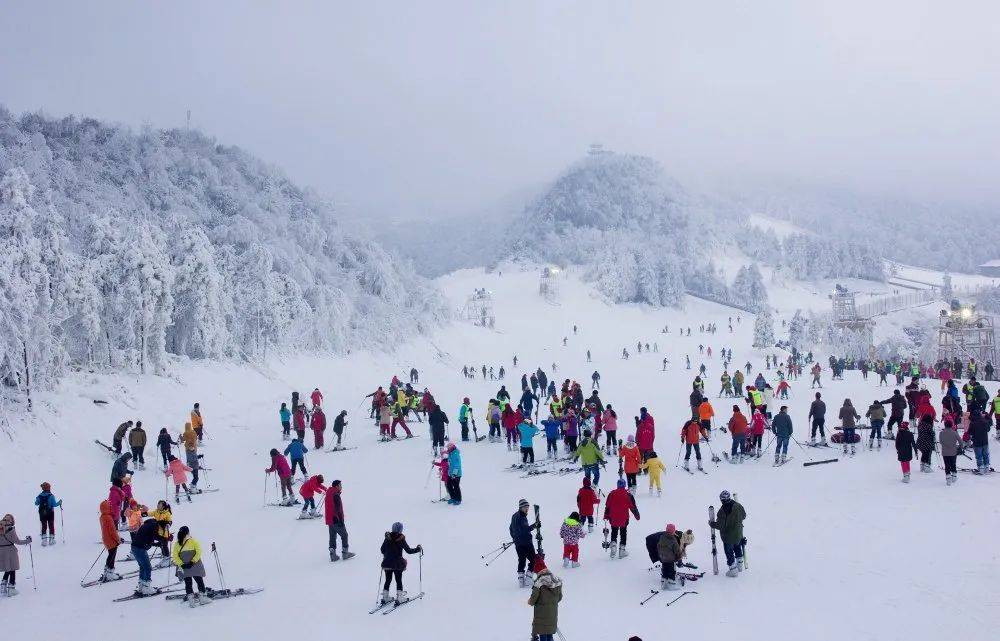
(647, 599)
(92, 566)
(498, 555)
(266, 474)
(218, 565)
(62, 524)
(31, 555)
(420, 570)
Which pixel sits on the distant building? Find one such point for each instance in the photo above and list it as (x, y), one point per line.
(990, 268)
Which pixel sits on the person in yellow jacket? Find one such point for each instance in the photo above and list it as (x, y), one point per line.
(197, 422)
(556, 407)
(165, 517)
(186, 555)
(190, 439)
(655, 467)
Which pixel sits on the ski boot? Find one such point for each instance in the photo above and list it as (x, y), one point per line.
(739, 564)
(671, 585)
(313, 513)
(565, 563)
(651, 490)
(812, 440)
(590, 527)
(784, 458)
(521, 580)
(733, 571)
(845, 449)
(45, 540)
(384, 598)
(574, 564)
(164, 562)
(346, 555)
(699, 466)
(622, 552)
(400, 597)
(659, 492)
(853, 450)
(687, 465)
(947, 479)
(145, 588)
(822, 441)
(613, 549)
(8, 589)
(777, 459)
(110, 575)
(333, 554)
(906, 477)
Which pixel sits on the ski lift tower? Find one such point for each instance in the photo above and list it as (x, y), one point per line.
(479, 308)
(548, 284)
(855, 332)
(964, 333)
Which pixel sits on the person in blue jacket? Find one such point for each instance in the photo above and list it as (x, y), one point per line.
(47, 505)
(285, 415)
(453, 484)
(552, 426)
(296, 451)
(528, 432)
(782, 426)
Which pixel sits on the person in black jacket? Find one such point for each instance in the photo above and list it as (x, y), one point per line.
(817, 414)
(898, 403)
(148, 535)
(905, 447)
(925, 442)
(164, 442)
(120, 467)
(393, 563)
(979, 433)
(437, 420)
(520, 534)
(339, 424)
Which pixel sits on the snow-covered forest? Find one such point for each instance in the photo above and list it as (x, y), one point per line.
(121, 248)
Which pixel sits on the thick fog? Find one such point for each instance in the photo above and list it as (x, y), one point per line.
(436, 108)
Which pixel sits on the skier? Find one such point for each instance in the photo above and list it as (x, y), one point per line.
(950, 442)
(738, 429)
(654, 467)
(137, 444)
(816, 369)
(318, 424)
(595, 378)
(586, 499)
(144, 538)
(437, 419)
(164, 442)
(758, 425)
(414, 375)
(546, 593)
(398, 418)
(190, 438)
(925, 442)
(905, 447)
(335, 524)
(120, 467)
(817, 413)
(198, 423)
(279, 465)
(738, 383)
(527, 402)
(669, 552)
(691, 437)
(317, 396)
(849, 422)
(393, 563)
(631, 460)
(898, 404)
(571, 531)
(520, 534)
(299, 421)
(876, 418)
(552, 427)
(186, 555)
(979, 429)
(111, 540)
(119, 436)
(454, 475)
(308, 493)
(782, 426)
(616, 512)
(588, 355)
(705, 415)
(46, 503)
(339, 424)
(729, 522)
(384, 419)
(493, 420)
(178, 471)
(645, 432)
(285, 416)
(609, 420)
(9, 561)
(501, 373)
(527, 431)
(296, 451)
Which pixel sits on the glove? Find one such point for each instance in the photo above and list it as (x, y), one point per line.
(28, 538)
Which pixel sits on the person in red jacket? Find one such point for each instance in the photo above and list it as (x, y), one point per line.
(586, 499)
(758, 425)
(617, 507)
(738, 429)
(924, 407)
(279, 464)
(318, 425)
(510, 420)
(335, 522)
(299, 421)
(645, 433)
(691, 437)
(631, 459)
(317, 398)
(308, 490)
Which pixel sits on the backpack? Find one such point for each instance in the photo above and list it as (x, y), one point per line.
(44, 505)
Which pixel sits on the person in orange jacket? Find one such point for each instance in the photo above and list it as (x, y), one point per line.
(198, 423)
(738, 429)
(631, 461)
(691, 437)
(705, 414)
(111, 540)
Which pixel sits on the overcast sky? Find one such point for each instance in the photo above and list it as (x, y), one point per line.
(411, 108)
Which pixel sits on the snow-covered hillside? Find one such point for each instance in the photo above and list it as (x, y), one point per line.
(836, 551)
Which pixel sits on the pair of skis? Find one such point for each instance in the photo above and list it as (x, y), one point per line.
(341, 449)
(388, 607)
(215, 595)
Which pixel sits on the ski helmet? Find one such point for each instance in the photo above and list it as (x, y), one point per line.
(725, 496)
(397, 528)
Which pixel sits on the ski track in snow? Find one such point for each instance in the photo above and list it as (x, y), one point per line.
(838, 551)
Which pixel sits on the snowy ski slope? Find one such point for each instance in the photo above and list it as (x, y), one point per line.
(838, 551)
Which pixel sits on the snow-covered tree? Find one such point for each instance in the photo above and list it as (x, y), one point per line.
(748, 289)
(947, 291)
(763, 329)
(797, 330)
(199, 326)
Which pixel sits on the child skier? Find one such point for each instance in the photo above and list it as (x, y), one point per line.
(586, 499)
(552, 426)
(47, 504)
(285, 416)
(164, 443)
(655, 467)
(905, 446)
(393, 563)
(296, 450)
(178, 470)
(691, 438)
(308, 492)
(571, 531)
(279, 465)
(631, 459)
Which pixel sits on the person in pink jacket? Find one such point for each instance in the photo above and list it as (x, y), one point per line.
(177, 469)
(279, 464)
(610, 428)
(758, 424)
(308, 491)
(645, 433)
(116, 500)
(945, 376)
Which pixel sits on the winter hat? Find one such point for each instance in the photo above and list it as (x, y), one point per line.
(575, 516)
(652, 454)
(586, 433)
(586, 482)
(539, 565)
(671, 528)
(523, 503)
(725, 496)
(631, 438)
(397, 528)
(46, 487)
(466, 400)
(621, 483)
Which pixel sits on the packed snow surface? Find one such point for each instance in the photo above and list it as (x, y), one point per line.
(837, 551)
